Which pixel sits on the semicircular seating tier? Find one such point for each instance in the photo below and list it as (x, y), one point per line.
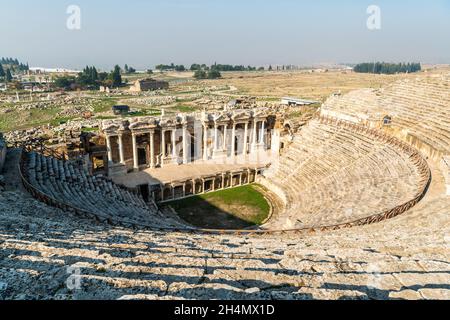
(419, 107)
(70, 185)
(337, 172)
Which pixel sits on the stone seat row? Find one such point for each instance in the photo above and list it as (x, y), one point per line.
(420, 106)
(71, 185)
(346, 177)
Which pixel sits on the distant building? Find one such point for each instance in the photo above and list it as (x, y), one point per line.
(148, 85)
(120, 109)
(296, 102)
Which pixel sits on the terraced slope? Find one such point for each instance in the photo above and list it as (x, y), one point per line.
(336, 173)
(419, 107)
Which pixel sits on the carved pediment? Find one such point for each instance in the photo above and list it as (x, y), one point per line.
(221, 117)
(113, 126)
(142, 123)
(260, 113)
(241, 115)
(168, 122)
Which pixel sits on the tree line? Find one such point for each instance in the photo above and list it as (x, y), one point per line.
(14, 64)
(90, 78)
(387, 68)
(223, 67)
(5, 75)
(205, 72)
(196, 67)
(172, 66)
(10, 65)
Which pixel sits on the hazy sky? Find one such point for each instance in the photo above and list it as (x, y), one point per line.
(143, 33)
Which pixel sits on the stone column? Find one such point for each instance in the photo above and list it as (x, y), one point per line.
(215, 137)
(184, 189)
(224, 142)
(194, 191)
(261, 137)
(121, 153)
(205, 142)
(163, 146)
(152, 149)
(245, 139)
(162, 192)
(185, 145)
(174, 149)
(233, 139)
(108, 148)
(254, 132)
(135, 153)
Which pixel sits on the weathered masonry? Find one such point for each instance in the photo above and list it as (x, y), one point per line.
(151, 142)
(203, 184)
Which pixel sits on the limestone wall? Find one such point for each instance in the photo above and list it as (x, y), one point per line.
(273, 188)
(426, 148)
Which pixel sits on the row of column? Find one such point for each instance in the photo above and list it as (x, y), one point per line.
(173, 142)
(216, 147)
(213, 180)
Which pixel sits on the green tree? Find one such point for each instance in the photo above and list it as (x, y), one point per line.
(214, 74)
(200, 74)
(116, 77)
(94, 74)
(8, 76)
(387, 68)
(2, 71)
(64, 82)
(195, 67)
(102, 76)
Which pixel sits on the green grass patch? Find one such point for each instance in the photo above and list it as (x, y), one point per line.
(104, 105)
(144, 112)
(235, 208)
(89, 129)
(24, 119)
(184, 108)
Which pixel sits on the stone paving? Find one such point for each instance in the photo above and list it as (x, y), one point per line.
(175, 172)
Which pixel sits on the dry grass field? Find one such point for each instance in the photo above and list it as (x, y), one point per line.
(304, 84)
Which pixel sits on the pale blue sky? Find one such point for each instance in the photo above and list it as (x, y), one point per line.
(257, 32)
